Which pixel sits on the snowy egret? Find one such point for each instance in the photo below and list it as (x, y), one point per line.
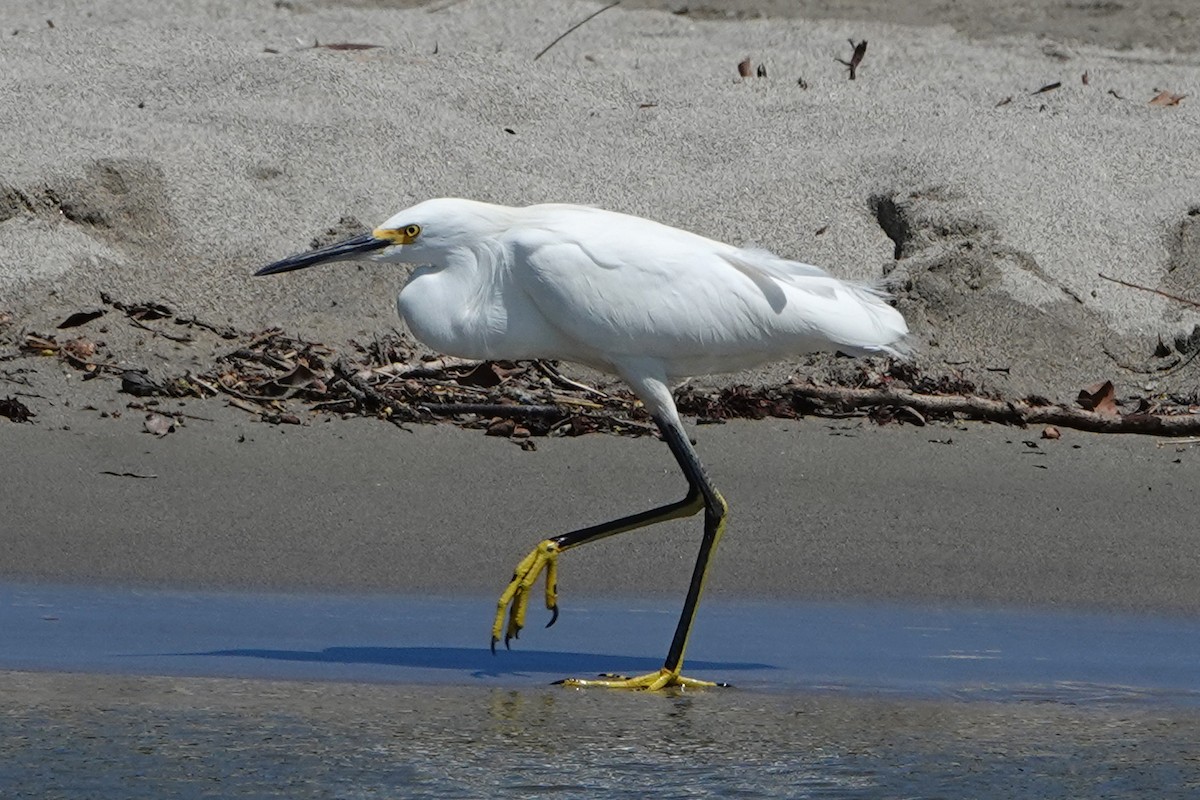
(647, 302)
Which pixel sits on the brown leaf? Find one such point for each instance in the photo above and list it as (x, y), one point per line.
(745, 68)
(1051, 432)
(1165, 98)
(1100, 398)
(302, 377)
(80, 348)
(501, 427)
(159, 425)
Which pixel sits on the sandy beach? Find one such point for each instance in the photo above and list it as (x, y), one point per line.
(992, 161)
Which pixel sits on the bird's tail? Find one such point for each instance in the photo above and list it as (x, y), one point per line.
(887, 331)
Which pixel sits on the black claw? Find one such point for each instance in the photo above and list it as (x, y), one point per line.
(507, 639)
(560, 682)
(554, 616)
(494, 640)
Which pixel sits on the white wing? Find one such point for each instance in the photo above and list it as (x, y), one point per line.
(625, 287)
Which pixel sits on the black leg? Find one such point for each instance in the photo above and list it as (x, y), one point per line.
(702, 495)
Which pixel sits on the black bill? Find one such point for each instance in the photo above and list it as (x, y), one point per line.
(341, 251)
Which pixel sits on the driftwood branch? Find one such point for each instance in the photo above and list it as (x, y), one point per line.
(494, 410)
(1007, 412)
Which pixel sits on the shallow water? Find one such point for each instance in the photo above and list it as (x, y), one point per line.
(399, 697)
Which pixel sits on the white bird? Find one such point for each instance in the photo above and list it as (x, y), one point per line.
(650, 303)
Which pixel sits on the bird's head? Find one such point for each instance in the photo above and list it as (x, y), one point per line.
(427, 233)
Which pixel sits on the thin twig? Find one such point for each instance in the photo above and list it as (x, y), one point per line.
(137, 323)
(1159, 292)
(551, 372)
(571, 29)
(367, 395)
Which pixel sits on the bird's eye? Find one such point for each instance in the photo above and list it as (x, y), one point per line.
(412, 231)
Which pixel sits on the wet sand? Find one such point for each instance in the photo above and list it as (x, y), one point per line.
(820, 510)
(72, 735)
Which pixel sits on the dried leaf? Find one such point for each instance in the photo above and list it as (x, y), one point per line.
(1100, 398)
(1165, 98)
(81, 318)
(301, 377)
(860, 50)
(80, 348)
(159, 425)
(138, 384)
(489, 374)
(501, 427)
(15, 410)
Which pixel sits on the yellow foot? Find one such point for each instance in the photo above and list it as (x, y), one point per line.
(653, 682)
(515, 599)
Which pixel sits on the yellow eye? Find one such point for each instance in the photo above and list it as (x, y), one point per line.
(412, 231)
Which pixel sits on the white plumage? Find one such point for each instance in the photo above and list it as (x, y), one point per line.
(645, 301)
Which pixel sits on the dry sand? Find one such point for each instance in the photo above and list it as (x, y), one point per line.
(161, 151)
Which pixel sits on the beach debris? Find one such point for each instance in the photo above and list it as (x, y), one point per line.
(1049, 87)
(144, 312)
(803, 84)
(34, 344)
(1051, 432)
(1084, 78)
(1005, 101)
(15, 410)
(1100, 398)
(1114, 93)
(745, 68)
(127, 474)
(761, 72)
(1165, 98)
(272, 375)
(860, 50)
(345, 46)
(575, 27)
(81, 318)
(159, 424)
(138, 384)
